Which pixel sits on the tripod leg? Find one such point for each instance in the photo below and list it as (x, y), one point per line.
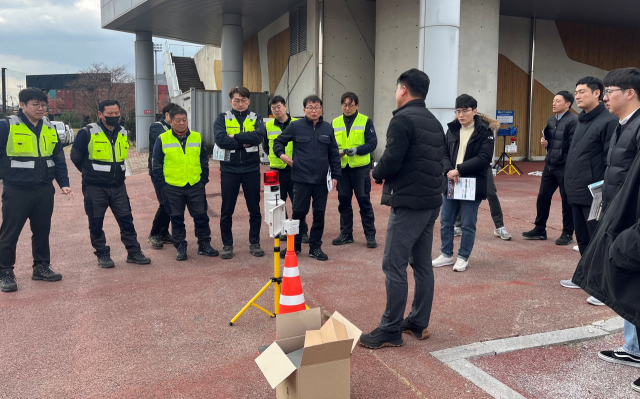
(251, 302)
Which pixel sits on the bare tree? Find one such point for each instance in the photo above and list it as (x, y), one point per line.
(100, 82)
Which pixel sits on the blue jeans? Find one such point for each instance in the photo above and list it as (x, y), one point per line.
(631, 339)
(468, 215)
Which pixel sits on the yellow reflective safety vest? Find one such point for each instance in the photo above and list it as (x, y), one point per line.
(233, 127)
(273, 132)
(28, 159)
(181, 167)
(355, 139)
(104, 164)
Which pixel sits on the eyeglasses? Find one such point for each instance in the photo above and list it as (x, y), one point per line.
(278, 108)
(313, 109)
(463, 111)
(38, 105)
(238, 101)
(349, 105)
(609, 91)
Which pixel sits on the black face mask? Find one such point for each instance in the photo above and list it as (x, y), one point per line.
(112, 120)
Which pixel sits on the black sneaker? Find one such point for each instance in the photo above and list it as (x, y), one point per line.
(207, 249)
(167, 238)
(305, 239)
(256, 250)
(105, 261)
(408, 328)
(342, 239)
(621, 357)
(283, 252)
(138, 258)
(371, 242)
(181, 252)
(318, 254)
(377, 339)
(8, 282)
(227, 252)
(535, 234)
(42, 271)
(156, 242)
(565, 239)
(636, 385)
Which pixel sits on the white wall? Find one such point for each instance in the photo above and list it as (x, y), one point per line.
(205, 59)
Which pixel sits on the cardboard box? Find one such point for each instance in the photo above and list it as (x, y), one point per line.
(308, 361)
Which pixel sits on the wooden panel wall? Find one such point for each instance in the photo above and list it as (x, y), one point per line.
(542, 101)
(251, 72)
(603, 47)
(278, 56)
(513, 94)
(217, 73)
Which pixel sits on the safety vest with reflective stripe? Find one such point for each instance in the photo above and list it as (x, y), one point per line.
(354, 139)
(28, 159)
(273, 132)
(181, 167)
(233, 127)
(101, 149)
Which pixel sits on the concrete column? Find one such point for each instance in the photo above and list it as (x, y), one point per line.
(231, 55)
(145, 103)
(438, 55)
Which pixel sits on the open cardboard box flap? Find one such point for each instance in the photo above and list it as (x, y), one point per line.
(296, 324)
(275, 365)
(353, 332)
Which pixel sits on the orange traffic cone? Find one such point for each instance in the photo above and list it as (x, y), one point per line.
(291, 296)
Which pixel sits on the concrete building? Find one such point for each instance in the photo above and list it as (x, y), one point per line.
(511, 55)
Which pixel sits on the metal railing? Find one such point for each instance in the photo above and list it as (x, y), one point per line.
(170, 73)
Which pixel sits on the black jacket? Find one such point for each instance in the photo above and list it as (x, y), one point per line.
(80, 158)
(157, 166)
(587, 156)
(60, 170)
(315, 150)
(623, 149)
(559, 135)
(155, 130)
(411, 165)
(265, 136)
(610, 267)
(478, 155)
(241, 160)
(370, 136)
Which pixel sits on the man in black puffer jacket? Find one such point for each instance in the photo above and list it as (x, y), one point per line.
(411, 168)
(556, 139)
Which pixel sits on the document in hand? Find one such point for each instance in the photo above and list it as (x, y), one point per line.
(465, 189)
(596, 205)
(220, 154)
(329, 181)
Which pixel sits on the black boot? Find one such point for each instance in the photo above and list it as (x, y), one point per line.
(342, 239)
(156, 242)
(377, 339)
(318, 254)
(207, 250)
(138, 258)
(535, 234)
(409, 328)
(182, 251)
(8, 281)
(565, 239)
(371, 242)
(42, 271)
(166, 238)
(105, 261)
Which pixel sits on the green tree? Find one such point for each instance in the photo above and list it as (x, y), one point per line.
(130, 124)
(71, 118)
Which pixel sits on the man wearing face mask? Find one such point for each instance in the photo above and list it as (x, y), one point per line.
(99, 152)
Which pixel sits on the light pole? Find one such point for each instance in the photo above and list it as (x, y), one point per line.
(156, 49)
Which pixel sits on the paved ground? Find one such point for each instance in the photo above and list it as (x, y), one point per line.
(161, 331)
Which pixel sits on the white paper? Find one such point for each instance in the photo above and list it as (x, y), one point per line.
(254, 148)
(465, 190)
(220, 155)
(329, 181)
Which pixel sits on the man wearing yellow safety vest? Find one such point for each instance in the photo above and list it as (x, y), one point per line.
(99, 152)
(356, 139)
(30, 158)
(239, 133)
(180, 168)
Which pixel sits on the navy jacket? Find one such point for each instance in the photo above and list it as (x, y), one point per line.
(241, 160)
(158, 161)
(155, 130)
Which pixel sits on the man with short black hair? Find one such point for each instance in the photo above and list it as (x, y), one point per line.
(411, 169)
(315, 153)
(159, 234)
(30, 158)
(556, 138)
(356, 138)
(239, 132)
(273, 129)
(99, 152)
(181, 170)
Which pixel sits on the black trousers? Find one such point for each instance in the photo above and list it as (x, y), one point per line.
(584, 228)
(549, 183)
(18, 205)
(358, 181)
(160, 225)
(230, 186)
(96, 201)
(302, 195)
(194, 198)
(286, 184)
(494, 203)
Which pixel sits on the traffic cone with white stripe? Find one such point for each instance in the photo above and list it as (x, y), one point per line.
(291, 296)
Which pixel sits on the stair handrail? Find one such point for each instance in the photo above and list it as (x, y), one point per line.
(170, 73)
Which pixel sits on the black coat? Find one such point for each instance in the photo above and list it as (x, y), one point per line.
(155, 130)
(241, 161)
(622, 151)
(315, 150)
(478, 155)
(411, 165)
(587, 156)
(559, 135)
(610, 267)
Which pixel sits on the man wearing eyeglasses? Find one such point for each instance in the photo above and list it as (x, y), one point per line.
(315, 152)
(239, 132)
(356, 139)
(30, 158)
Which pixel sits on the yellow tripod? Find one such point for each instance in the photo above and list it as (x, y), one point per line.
(510, 169)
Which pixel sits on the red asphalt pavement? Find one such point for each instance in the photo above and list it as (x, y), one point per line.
(161, 330)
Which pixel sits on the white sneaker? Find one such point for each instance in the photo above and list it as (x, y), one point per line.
(592, 300)
(457, 231)
(502, 233)
(568, 284)
(576, 248)
(461, 265)
(442, 261)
